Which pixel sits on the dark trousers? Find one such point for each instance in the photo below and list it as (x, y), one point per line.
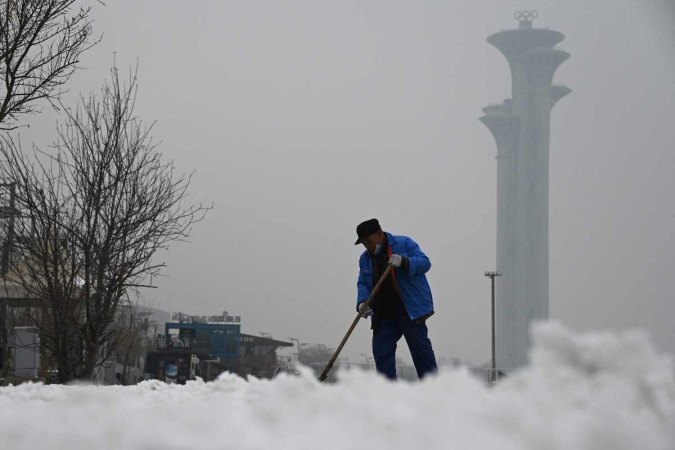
(387, 334)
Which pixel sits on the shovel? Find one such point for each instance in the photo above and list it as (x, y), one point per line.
(324, 374)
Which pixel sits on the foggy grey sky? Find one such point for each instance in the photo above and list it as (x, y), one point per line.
(303, 118)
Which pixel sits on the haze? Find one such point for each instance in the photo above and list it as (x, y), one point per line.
(303, 118)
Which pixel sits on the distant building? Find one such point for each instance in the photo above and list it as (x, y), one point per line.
(206, 346)
(19, 341)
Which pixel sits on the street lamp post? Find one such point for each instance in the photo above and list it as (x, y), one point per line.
(492, 276)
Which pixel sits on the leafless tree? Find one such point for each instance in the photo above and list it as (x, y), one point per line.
(95, 211)
(41, 42)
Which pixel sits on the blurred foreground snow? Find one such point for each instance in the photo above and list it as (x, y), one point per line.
(592, 391)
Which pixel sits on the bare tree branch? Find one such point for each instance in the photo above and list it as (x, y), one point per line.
(41, 42)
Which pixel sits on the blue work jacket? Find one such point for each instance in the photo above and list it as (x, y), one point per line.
(412, 284)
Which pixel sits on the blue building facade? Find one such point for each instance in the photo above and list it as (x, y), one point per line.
(217, 340)
(206, 346)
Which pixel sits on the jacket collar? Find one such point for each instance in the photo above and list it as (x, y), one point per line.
(391, 241)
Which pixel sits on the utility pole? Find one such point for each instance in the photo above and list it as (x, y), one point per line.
(492, 276)
(8, 213)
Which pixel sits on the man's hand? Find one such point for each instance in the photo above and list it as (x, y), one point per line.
(396, 260)
(365, 310)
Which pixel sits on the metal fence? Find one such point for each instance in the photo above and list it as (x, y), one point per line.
(408, 372)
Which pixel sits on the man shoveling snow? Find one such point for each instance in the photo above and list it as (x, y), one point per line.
(403, 302)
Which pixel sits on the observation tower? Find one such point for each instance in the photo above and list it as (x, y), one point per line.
(521, 128)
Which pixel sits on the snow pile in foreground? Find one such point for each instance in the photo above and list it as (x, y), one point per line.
(595, 391)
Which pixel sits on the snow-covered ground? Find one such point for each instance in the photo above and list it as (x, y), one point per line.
(592, 391)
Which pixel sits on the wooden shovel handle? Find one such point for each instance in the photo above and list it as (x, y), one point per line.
(324, 374)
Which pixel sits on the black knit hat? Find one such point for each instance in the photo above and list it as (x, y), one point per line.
(365, 229)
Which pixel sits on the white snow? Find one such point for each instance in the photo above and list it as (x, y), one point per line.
(599, 390)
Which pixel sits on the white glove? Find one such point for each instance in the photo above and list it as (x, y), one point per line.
(365, 310)
(396, 260)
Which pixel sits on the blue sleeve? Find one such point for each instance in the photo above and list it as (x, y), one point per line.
(418, 262)
(362, 286)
